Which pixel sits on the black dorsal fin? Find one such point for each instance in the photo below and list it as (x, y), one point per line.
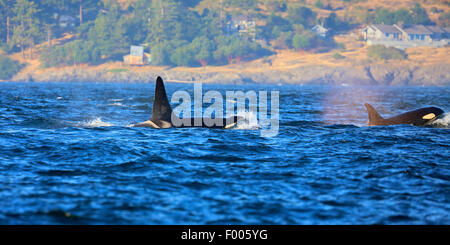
(374, 117)
(161, 107)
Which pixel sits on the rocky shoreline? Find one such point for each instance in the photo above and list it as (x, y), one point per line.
(430, 75)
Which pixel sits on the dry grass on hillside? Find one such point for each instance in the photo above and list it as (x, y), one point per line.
(354, 54)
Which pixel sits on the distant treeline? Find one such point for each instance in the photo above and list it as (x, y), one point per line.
(409, 16)
(175, 32)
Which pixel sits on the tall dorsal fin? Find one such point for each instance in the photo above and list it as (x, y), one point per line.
(161, 107)
(374, 116)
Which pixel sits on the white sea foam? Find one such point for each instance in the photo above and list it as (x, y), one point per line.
(116, 104)
(97, 122)
(249, 122)
(116, 100)
(442, 121)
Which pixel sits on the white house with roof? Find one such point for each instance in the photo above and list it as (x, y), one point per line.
(137, 56)
(321, 31)
(381, 32)
(241, 25)
(66, 21)
(416, 33)
(439, 32)
(405, 36)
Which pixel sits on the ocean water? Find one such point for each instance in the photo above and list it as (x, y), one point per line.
(69, 156)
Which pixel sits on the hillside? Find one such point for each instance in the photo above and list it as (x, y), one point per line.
(346, 62)
(424, 66)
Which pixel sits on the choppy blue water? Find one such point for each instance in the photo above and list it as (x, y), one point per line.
(68, 156)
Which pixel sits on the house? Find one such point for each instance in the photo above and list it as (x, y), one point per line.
(241, 25)
(321, 31)
(381, 32)
(404, 36)
(137, 56)
(66, 21)
(416, 33)
(438, 33)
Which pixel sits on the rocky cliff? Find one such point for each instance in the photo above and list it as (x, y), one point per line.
(431, 75)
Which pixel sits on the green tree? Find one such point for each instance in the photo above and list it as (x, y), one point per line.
(161, 53)
(210, 24)
(232, 48)
(6, 11)
(403, 15)
(26, 25)
(137, 25)
(284, 40)
(166, 21)
(301, 15)
(420, 15)
(444, 19)
(415, 15)
(275, 24)
(108, 32)
(203, 49)
(8, 67)
(183, 56)
(333, 22)
(318, 4)
(384, 16)
(72, 53)
(304, 40)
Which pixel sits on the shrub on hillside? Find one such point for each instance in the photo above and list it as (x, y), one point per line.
(338, 56)
(8, 67)
(72, 53)
(304, 41)
(381, 52)
(236, 49)
(444, 19)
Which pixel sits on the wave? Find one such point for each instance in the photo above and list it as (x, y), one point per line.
(116, 104)
(43, 122)
(97, 122)
(442, 122)
(249, 122)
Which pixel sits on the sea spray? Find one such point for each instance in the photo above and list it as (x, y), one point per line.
(94, 123)
(442, 122)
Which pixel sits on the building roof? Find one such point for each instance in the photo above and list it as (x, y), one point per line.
(387, 28)
(136, 50)
(436, 29)
(319, 28)
(66, 18)
(417, 29)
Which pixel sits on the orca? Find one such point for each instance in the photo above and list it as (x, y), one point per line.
(162, 113)
(419, 117)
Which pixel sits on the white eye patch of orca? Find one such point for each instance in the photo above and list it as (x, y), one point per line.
(429, 116)
(230, 125)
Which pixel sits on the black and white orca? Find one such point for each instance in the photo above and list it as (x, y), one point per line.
(162, 114)
(419, 117)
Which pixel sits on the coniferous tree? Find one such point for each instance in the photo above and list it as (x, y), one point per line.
(6, 7)
(26, 25)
